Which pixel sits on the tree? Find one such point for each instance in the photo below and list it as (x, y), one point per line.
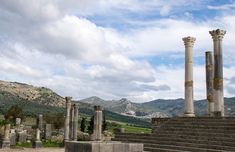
(91, 125)
(13, 113)
(83, 124)
(104, 124)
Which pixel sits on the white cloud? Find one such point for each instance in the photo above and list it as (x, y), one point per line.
(47, 43)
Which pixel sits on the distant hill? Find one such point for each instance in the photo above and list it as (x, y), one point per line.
(40, 100)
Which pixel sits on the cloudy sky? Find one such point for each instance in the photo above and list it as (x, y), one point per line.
(113, 48)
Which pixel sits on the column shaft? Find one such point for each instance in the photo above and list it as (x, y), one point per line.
(217, 36)
(98, 123)
(189, 107)
(67, 119)
(75, 122)
(209, 82)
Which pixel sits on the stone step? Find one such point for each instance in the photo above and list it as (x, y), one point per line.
(204, 145)
(232, 124)
(181, 148)
(189, 140)
(197, 127)
(150, 149)
(181, 130)
(207, 138)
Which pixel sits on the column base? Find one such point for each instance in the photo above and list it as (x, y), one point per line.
(217, 114)
(189, 114)
(37, 144)
(5, 144)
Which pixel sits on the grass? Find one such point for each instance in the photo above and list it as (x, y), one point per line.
(134, 129)
(49, 143)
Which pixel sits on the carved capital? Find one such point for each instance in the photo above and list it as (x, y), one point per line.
(217, 35)
(189, 41)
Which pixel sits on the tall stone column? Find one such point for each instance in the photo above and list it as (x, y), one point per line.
(71, 123)
(97, 132)
(67, 119)
(6, 139)
(217, 36)
(75, 124)
(209, 82)
(189, 107)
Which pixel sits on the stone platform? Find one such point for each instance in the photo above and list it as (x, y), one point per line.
(95, 146)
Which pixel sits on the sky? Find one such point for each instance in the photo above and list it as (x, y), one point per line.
(113, 48)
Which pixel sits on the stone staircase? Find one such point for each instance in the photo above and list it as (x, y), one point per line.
(199, 134)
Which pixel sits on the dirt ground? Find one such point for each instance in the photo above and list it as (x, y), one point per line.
(33, 150)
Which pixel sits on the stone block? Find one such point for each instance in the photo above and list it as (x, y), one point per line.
(5, 144)
(13, 138)
(37, 144)
(48, 131)
(22, 137)
(93, 146)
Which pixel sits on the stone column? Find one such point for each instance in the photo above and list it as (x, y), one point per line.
(97, 132)
(209, 82)
(75, 125)
(217, 36)
(71, 123)
(67, 119)
(6, 139)
(40, 122)
(189, 107)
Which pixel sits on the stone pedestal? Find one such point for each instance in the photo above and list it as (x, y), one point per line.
(217, 36)
(92, 146)
(189, 107)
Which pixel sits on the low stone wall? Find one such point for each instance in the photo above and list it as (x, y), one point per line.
(93, 146)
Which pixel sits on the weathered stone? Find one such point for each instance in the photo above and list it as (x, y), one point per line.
(6, 140)
(209, 83)
(22, 136)
(75, 122)
(217, 36)
(48, 130)
(67, 119)
(40, 122)
(37, 143)
(18, 122)
(92, 146)
(189, 107)
(98, 118)
(12, 137)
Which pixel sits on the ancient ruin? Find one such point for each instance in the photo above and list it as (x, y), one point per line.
(71, 120)
(189, 109)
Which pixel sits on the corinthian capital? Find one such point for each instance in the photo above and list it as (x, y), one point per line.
(189, 41)
(217, 34)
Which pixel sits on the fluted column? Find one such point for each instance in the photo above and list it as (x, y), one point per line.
(67, 119)
(217, 36)
(75, 122)
(189, 107)
(97, 132)
(209, 82)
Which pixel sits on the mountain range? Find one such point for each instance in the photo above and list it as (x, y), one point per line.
(28, 95)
